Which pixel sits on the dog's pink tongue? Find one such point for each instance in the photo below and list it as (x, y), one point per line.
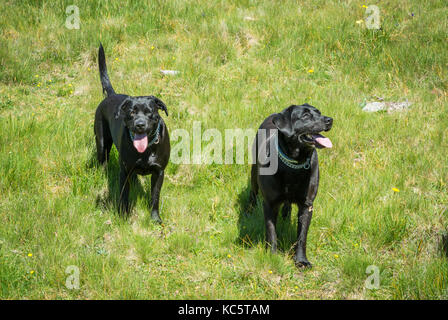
(323, 142)
(141, 142)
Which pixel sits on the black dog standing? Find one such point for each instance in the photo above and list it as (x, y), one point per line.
(296, 179)
(140, 135)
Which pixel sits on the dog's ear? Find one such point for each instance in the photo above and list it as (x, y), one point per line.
(123, 106)
(283, 123)
(160, 104)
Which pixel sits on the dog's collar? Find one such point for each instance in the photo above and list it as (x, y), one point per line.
(154, 140)
(293, 164)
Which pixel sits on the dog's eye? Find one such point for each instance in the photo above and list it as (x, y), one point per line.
(306, 115)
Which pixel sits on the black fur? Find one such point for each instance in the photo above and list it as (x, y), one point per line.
(290, 186)
(119, 119)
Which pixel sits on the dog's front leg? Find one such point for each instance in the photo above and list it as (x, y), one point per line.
(124, 190)
(156, 186)
(270, 219)
(305, 214)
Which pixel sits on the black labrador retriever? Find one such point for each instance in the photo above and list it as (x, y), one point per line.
(140, 135)
(296, 179)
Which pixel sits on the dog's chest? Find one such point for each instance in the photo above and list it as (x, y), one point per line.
(292, 190)
(293, 186)
(146, 165)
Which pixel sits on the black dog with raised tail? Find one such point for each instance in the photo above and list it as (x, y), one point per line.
(140, 135)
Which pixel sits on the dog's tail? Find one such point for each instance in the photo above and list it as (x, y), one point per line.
(105, 82)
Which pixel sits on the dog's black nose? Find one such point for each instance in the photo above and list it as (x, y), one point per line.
(140, 125)
(328, 123)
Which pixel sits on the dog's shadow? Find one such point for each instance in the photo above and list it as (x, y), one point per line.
(109, 199)
(251, 225)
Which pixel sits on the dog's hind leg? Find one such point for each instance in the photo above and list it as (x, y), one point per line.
(286, 210)
(124, 190)
(103, 139)
(270, 219)
(254, 187)
(156, 186)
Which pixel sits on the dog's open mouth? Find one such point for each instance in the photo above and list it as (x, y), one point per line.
(317, 139)
(140, 141)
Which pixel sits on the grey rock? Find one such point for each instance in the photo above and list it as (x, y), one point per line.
(169, 72)
(374, 107)
(386, 106)
(398, 106)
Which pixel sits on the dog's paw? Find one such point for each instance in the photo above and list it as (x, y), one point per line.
(303, 264)
(156, 218)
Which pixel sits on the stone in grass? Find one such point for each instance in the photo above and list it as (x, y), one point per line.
(374, 107)
(386, 106)
(398, 106)
(169, 72)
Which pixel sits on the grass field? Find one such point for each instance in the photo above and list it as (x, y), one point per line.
(383, 194)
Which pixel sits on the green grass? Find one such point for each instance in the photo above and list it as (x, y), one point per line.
(58, 204)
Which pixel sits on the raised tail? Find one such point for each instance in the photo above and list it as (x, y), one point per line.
(105, 82)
